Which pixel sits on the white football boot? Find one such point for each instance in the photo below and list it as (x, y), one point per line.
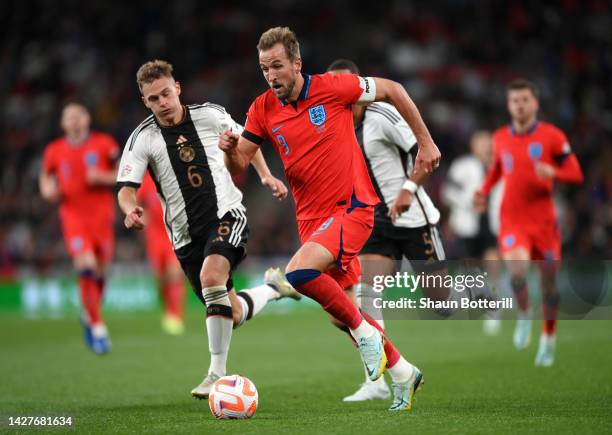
(276, 279)
(203, 390)
(546, 351)
(373, 354)
(377, 390)
(522, 331)
(403, 392)
(492, 323)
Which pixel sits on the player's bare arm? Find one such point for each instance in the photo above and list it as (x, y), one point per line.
(48, 187)
(129, 205)
(428, 156)
(494, 174)
(404, 198)
(278, 188)
(238, 150)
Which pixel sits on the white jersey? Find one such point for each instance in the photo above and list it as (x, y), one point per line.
(193, 184)
(465, 176)
(388, 145)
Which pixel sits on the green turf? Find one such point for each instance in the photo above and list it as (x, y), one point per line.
(302, 368)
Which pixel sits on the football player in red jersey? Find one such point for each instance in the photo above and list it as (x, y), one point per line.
(162, 259)
(79, 171)
(530, 155)
(308, 119)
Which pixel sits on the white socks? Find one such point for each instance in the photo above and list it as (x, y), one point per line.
(364, 330)
(402, 371)
(253, 300)
(219, 324)
(260, 296)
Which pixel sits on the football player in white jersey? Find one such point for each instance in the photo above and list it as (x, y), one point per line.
(203, 212)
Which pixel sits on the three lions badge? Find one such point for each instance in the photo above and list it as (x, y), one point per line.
(317, 114)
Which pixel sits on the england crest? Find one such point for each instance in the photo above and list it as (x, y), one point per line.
(317, 114)
(535, 150)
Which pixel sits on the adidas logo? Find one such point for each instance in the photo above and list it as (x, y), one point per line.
(181, 140)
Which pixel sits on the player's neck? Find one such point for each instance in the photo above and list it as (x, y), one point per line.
(77, 138)
(525, 126)
(297, 88)
(178, 117)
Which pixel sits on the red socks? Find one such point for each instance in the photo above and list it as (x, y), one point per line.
(550, 311)
(328, 293)
(173, 294)
(519, 288)
(91, 296)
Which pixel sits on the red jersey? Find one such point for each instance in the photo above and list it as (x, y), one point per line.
(69, 164)
(147, 196)
(528, 198)
(315, 138)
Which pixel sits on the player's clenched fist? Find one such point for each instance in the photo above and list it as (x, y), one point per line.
(428, 158)
(228, 141)
(134, 219)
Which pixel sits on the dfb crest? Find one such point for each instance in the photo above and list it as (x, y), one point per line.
(317, 114)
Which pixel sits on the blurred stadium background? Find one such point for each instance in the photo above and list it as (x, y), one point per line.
(453, 56)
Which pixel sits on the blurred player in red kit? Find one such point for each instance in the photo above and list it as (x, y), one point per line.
(79, 171)
(162, 259)
(309, 121)
(530, 155)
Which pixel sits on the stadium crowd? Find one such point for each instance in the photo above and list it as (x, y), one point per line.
(453, 56)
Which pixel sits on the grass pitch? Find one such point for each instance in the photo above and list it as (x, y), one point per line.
(302, 367)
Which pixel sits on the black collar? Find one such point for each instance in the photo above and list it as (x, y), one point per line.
(303, 93)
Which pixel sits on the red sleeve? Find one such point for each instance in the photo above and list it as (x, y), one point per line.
(346, 87)
(494, 173)
(254, 129)
(49, 164)
(567, 168)
(569, 171)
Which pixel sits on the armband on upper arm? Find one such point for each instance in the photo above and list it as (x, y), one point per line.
(368, 90)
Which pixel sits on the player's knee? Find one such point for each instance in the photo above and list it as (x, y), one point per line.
(213, 278)
(217, 301)
(518, 283)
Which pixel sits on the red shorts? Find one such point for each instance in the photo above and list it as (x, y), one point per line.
(542, 241)
(343, 234)
(159, 251)
(83, 236)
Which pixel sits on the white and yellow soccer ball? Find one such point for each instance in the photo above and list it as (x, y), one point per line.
(233, 397)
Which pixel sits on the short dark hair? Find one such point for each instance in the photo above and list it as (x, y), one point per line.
(282, 35)
(521, 83)
(343, 64)
(153, 70)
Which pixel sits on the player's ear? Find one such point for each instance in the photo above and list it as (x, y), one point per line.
(177, 85)
(144, 101)
(297, 64)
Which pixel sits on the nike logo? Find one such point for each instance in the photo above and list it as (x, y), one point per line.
(274, 130)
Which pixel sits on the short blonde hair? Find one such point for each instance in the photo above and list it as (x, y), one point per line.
(282, 35)
(153, 70)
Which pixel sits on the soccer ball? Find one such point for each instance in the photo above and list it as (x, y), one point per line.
(233, 397)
